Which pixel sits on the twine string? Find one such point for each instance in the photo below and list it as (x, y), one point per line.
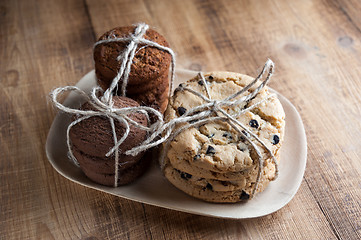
(160, 132)
(105, 106)
(202, 114)
(128, 55)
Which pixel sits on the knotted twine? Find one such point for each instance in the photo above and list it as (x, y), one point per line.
(213, 110)
(104, 105)
(160, 131)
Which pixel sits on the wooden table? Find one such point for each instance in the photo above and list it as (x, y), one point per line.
(315, 45)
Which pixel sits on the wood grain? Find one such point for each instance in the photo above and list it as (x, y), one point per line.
(316, 47)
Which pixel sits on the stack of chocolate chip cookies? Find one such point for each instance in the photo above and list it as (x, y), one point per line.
(214, 162)
(148, 81)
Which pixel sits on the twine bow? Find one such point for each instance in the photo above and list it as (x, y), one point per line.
(105, 105)
(213, 110)
(128, 55)
(160, 132)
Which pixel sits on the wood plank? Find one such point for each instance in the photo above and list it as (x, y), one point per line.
(237, 36)
(315, 45)
(44, 44)
(319, 60)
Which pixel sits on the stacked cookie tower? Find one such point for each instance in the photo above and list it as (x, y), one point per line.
(148, 84)
(213, 161)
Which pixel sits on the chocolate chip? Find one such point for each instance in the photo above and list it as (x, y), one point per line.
(210, 77)
(179, 88)
(181, 111)
(211, 135)
(246, 134)
(210, 150)
(196, 157)
(200, 82)
(224, 183)
(242, 149)
(209, 186)
(185, 175)
(244, 196)
(253, 123)
(276, 139)
(227, 135)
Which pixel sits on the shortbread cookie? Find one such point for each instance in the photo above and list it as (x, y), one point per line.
(215, 150)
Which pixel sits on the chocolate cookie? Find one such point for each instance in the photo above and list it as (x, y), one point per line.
(149, 63)
(156, 97)
(92, 138)
(125, 176)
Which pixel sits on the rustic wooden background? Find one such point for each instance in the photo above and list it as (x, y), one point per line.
(316, 48)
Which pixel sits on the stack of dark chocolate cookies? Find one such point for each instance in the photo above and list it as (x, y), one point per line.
(148, 85)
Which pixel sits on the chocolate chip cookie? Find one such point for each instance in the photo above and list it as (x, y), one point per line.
(213, 161)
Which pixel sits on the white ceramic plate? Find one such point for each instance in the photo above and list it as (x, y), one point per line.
(152, 188)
